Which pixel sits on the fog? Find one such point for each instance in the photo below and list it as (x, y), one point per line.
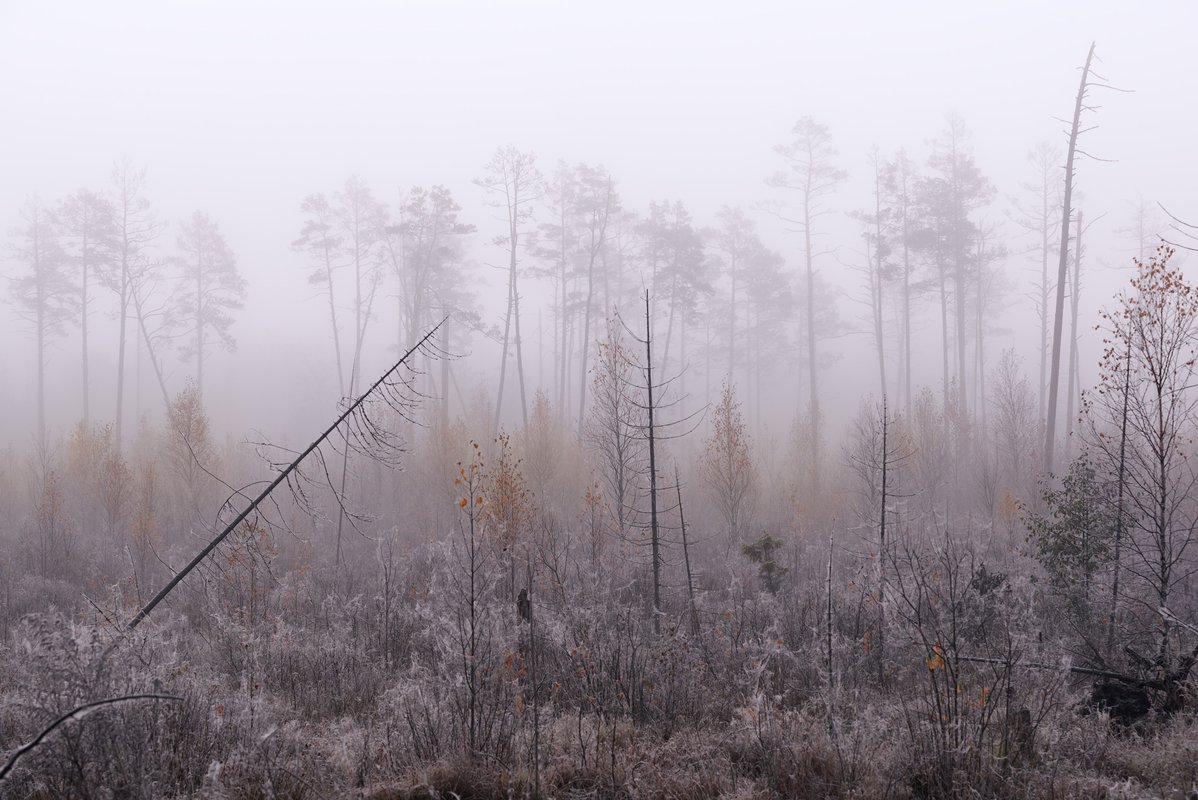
(242, 111)
(662, 148)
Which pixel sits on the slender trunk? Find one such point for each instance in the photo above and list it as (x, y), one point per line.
(532, 677)
(828, 633)
(682, 396)
(507, 326)
(145, 332)
(906, 298)
(83, 301)
(1074, 299)
(519, 353)
(979, 342)
(1043, 295)
(707, 367)
(1162, 525)
(200, 327)
(731, 320)
(358, 322)
(1117, 554)
(686, 556)
(563, 318)
(472, 659)
(355, 368)
(120, 358)
(959, 288)
(586, 339)
(513, 308)
(876, 284)
(41, 356)
(882, 545)
(665, 353)
(944, 324)
(1062, 270)
(811, 359)
(656, 544)
(328, 272)
(445, 377)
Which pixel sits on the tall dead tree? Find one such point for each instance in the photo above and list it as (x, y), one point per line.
(1054, 377)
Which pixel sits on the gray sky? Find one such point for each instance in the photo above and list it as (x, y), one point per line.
(242, 108)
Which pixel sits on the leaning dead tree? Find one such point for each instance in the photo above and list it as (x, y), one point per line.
(364, 428)
(1090, 79)
(1054, 378)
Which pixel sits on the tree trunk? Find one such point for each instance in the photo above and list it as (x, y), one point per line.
(200, 327)
(811, 357)
(655, 541)
(686, 556)
(328, 271)
(876, 280)
(1074, 299)
(83, 302)
(944, 324)
(120, 358)
(1044, 297)
(519, 352)
(1116, 557)
(41, 355)
(507, 326)
(1062, 272)
(586, 340)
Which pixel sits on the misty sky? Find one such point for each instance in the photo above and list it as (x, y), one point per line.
(242, 108)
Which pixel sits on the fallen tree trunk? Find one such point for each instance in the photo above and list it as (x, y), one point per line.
(282, 476)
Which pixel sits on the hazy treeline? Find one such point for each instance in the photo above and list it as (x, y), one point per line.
(933, 277)
(637, 559)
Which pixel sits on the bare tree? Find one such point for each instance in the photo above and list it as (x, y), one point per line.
(1054, 376)
(1146, 390)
